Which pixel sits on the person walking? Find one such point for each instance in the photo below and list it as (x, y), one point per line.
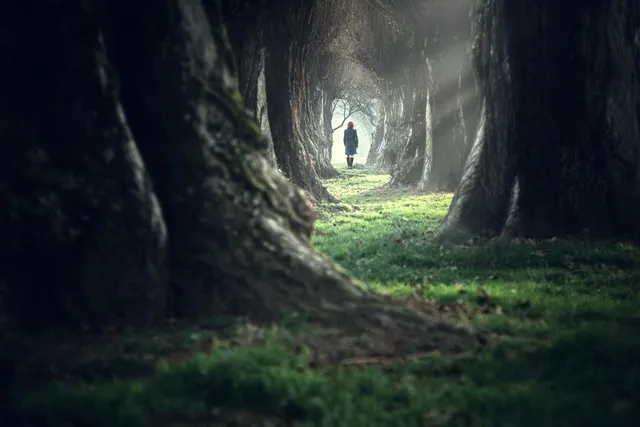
(350, 143)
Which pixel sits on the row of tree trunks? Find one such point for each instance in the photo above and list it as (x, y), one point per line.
(566, 130)
(118, 151)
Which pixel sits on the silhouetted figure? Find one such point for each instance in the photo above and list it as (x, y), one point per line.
(350, 143)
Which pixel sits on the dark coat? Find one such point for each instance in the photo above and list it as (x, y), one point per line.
(350, 141)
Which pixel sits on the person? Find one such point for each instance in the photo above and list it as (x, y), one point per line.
(350, 143)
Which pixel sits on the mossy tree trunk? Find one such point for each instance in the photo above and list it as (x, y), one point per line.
(89, 123)
(567, 130)
(84, 238)
(262, 118)
(246, 22)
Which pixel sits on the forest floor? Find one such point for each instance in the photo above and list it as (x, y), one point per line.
(567, 313)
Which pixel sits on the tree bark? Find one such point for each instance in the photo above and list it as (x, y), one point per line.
(245, 24)
(293, 159)
(567, 128)
(396, 130)
(84, 232)
(282, 74)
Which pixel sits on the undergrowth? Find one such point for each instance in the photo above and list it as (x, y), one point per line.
(567, 314)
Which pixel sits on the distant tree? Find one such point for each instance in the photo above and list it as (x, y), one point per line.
(437, 136)
(352, 106)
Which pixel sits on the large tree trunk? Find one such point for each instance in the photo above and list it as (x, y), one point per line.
(567, 128)
(83, 238)
(310, 124)
(283, 71)
(292, 156)
(396, 130)
(83, 232)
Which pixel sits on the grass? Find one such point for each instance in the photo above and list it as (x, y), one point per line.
(567, 313)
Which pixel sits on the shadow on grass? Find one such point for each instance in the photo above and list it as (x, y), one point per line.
(578, 380)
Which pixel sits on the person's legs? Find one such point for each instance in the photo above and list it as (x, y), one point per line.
(349, 150)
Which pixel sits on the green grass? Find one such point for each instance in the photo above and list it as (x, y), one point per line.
(567, 314)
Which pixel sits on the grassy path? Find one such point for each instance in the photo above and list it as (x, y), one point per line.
(568, 314)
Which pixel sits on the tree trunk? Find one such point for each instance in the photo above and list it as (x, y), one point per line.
(410, 166)
(292, 156)
(83, 232)
(246, 23)
(378, 135)
(83, 237)
(328, 96)
(396, 131)
(567, 128)
(310, 127)
(450, 138)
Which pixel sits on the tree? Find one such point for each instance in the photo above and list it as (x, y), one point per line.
(557, 149)
(385, 50)
(352, 105)
(135, 185)
(262, 35)
(392, 130)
